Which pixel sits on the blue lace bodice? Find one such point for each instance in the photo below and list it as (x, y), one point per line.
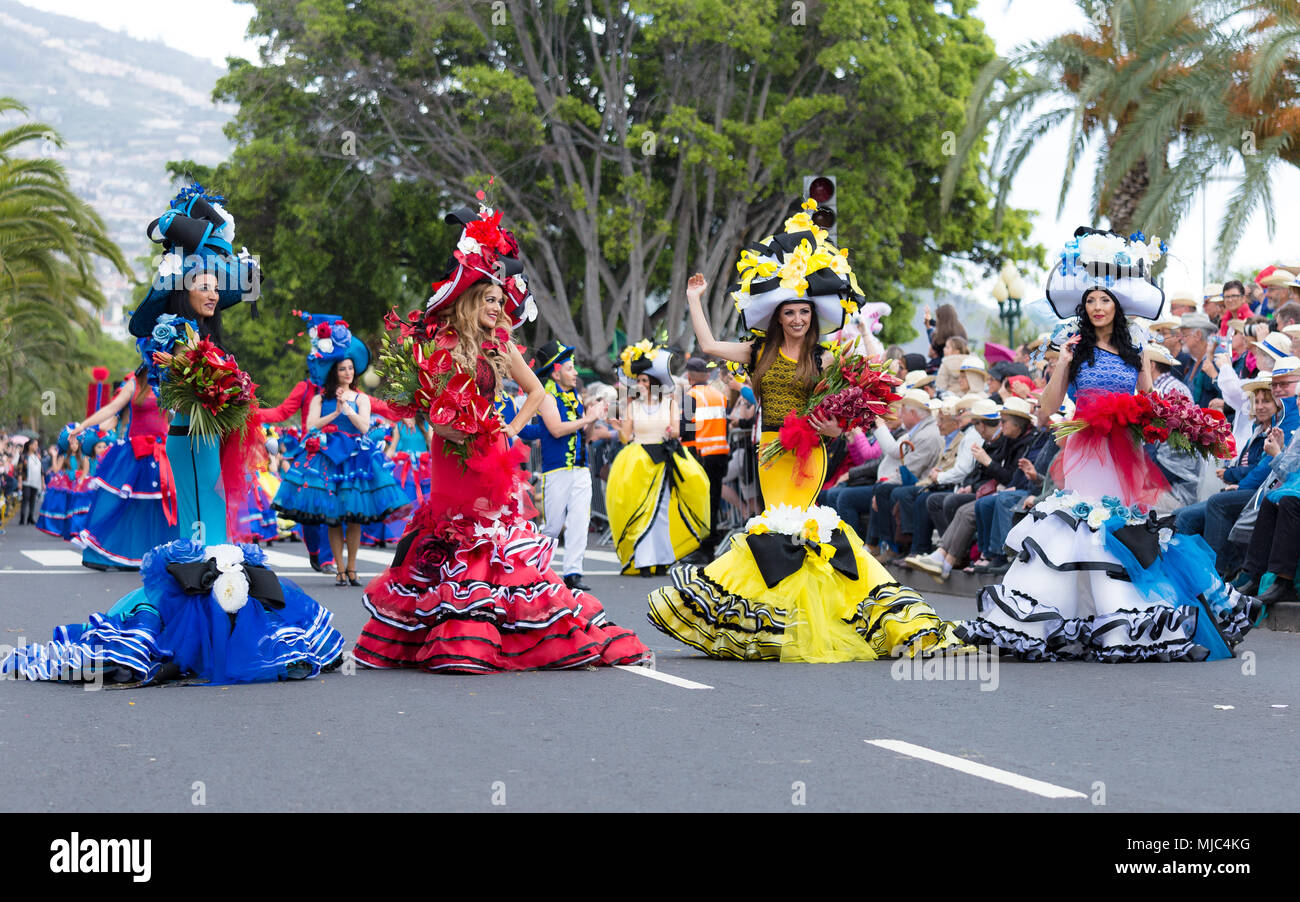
(1108, 372)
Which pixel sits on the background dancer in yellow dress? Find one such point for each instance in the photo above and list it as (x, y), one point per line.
(658, 493)
(798, 586)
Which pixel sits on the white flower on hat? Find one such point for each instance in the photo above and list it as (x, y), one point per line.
(170, 265)
(325, 346)
(226, 231)
(468, 245)
(1092, 248)
(530, 310)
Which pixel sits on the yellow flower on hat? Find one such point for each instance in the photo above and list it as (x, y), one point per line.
(751, 267)
(850, 307)
(794, 269)
(840, 262)
(758, 529)
(641, 349)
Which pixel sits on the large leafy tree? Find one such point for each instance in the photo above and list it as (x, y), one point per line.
(630, 144)
(50, 241)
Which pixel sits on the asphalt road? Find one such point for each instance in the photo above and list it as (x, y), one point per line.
(761, 737)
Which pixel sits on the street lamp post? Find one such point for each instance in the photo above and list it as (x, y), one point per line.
(1008, 291)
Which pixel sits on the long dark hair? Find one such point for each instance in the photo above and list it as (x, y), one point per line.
(178, 304)
(1086, 350)
(946, 326)
(331, 385)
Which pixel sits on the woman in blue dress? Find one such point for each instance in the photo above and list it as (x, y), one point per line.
(1096, 575)
(133, 505)
(343, 479)
(207, 610)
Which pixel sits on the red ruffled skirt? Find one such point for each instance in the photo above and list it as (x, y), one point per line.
(470, 589)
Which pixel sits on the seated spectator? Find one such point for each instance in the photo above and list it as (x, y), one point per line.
(956, 465)
(1213, 519)
(972, 377)
(1162, 367)
(999, 467)
(1196, 330)
(920, 379)
(955, 352)
(918, 446)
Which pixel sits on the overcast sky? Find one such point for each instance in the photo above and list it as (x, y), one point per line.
(1009, 22)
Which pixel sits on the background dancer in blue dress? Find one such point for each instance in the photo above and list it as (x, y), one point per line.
(343, 478)
(133, 507)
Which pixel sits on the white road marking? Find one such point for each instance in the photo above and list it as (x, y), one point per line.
(983, 771)
(278, 560)
(376, 555)
(662, 677)
(55, 558)
(608, 557)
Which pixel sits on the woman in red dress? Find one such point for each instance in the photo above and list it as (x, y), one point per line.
(471, 589)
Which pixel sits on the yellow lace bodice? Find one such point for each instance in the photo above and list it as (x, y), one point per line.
(780, 392)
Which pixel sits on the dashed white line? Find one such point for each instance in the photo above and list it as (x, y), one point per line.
(662, 677)
(983, 771)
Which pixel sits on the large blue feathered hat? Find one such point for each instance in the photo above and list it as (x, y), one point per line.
(332, 341)
(197, 235)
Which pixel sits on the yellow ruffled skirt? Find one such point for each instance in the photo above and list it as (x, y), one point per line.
(636, 504)
(816, 614)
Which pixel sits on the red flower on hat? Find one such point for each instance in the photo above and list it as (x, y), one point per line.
(324, 331)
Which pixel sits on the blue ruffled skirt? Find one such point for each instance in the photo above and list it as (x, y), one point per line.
(161, 629)
(65, 506)
(349, 480)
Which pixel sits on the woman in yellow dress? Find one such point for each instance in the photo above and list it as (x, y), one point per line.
(657, 497)
(798, 586)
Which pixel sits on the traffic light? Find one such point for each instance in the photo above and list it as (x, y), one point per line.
(821, 188)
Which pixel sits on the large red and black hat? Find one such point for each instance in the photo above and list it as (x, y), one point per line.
(484, 251)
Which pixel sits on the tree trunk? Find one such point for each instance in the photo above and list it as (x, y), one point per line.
(1124, 200)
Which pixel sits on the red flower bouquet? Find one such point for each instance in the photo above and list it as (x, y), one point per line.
(1169, 418)
(853, 390)
(419, 375)
(201, 380)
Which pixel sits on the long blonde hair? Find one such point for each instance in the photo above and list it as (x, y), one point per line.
(463, 317)
(806, 371)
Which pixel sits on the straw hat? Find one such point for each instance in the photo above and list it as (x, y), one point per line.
(1293, 331)
(1018, 407)
(1279, 278)
(973, 363)
(1250, 386)
(985, 409)
(1182, 297)
(968, 402)
(1286, 366)
(1160, 354)
(1275, 344)
(916, 398)
(917, 379)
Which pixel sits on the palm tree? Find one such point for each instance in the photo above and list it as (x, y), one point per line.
(1094, 81)
(49, 243)
(1237, 110)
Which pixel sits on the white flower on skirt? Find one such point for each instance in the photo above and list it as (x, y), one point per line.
(231, 590)
(228, 558)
